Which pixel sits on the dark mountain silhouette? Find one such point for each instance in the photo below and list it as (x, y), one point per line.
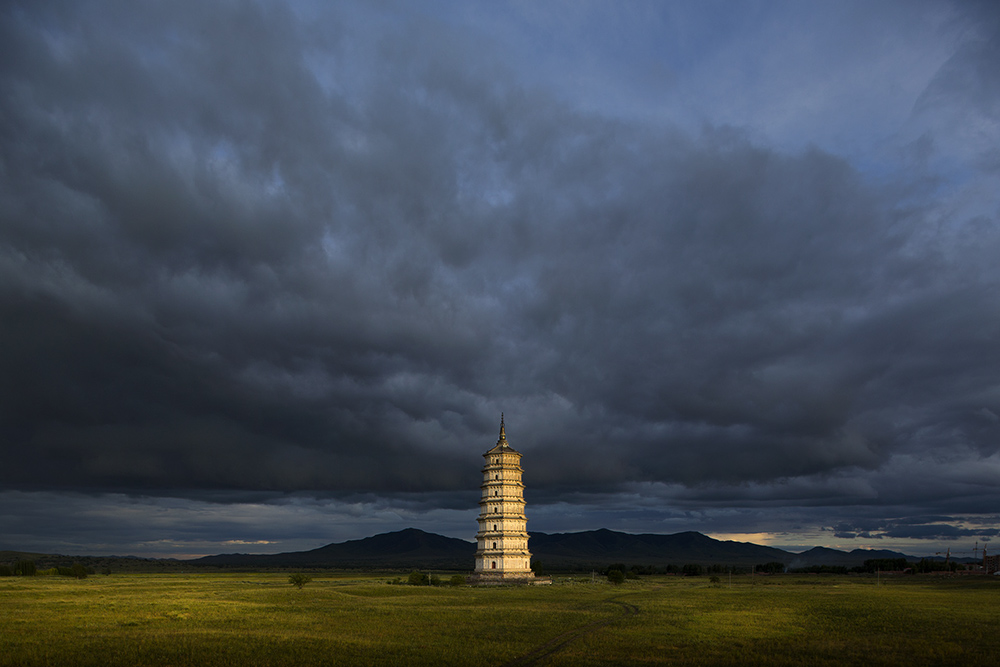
(404, 549)
(608, 546)
(826, 556)
(416, 549)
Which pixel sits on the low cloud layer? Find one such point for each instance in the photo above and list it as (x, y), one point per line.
(275, 249)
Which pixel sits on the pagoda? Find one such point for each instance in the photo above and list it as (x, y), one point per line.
(502, 554)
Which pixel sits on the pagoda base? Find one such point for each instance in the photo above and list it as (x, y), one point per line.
(506, 579)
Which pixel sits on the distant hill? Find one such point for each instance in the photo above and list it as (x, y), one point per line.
(404, 549)
(96, 563)
(562, 550)
(416, 549)
(825, 556)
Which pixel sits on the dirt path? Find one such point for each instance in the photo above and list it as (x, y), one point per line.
(556, 643)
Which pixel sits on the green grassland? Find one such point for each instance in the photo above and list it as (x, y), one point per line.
(351, 619)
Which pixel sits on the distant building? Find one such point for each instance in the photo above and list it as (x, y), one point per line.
(502, 554)
(991, 563)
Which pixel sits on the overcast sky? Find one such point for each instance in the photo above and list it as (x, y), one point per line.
(270, 272)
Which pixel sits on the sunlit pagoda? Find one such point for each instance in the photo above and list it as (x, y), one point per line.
(502, 554)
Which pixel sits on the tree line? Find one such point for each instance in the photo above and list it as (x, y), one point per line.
(28, 568)
(870, 566)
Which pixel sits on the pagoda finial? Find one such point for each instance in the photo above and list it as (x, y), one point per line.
(503, 436)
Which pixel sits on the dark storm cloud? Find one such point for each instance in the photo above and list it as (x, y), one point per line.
(920, 528)
(245, 249)
(202, 287)
(78, 523)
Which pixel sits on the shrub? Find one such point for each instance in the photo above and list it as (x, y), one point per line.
(77, 570)
(418, 579)
(299, 580)
(6, 571)
(616, 577)
(714, 579)
(457, 580)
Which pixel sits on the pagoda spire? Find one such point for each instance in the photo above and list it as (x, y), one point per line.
(503, 436)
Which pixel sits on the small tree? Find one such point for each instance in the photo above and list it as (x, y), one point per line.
(299, 580)
(418, 579)
(616, 577)
(457, 580)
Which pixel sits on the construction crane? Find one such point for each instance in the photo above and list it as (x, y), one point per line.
(975, 553)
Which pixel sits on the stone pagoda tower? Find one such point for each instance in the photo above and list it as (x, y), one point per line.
(502, 554)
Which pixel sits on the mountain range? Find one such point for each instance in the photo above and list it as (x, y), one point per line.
(416, 549)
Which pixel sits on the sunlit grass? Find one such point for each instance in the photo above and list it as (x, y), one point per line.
(803, 621)
(260, 619)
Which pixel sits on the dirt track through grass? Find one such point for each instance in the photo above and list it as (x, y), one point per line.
(556, 643)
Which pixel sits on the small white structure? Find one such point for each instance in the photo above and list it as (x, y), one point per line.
(502, 554)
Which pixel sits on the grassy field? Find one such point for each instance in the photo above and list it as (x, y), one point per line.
(259, 619)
